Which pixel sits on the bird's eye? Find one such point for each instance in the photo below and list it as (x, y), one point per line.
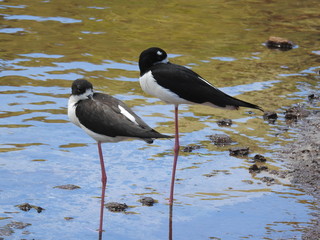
(79, 88)
(159, 53)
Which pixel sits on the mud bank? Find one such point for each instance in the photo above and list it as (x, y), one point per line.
(303, 158)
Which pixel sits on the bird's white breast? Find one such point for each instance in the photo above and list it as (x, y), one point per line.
(72, 110)
(96, 136)
(102, 138)
(150, 86)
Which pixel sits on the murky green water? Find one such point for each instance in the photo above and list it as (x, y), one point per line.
(45, 45)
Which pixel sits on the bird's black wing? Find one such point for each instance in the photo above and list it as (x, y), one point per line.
(102, 115)
(190, 86)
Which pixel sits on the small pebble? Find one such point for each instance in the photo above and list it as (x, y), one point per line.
(280, 174)
(27, 207)
(116, 207)
(268, 180)
(67, 187)
(248, 181)
(296, 112)
(216, 172)
(239, 151)
(279, 43)
(220, 139)
(147, 201)
(271, 117)
(256, 169)
(18, 225)
(24, 207)
(190, 148)
(259, 158)
(224, 122)
(312, 97)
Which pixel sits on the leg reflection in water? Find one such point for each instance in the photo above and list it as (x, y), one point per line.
(170, 221)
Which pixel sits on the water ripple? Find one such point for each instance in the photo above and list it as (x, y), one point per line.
(40, 19)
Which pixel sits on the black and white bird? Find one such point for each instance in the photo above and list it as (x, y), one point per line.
(176, 84)
(105, 119)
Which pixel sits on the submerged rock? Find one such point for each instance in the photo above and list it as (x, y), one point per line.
(67, 187)
(259, 158)
(147, 201)
(224, 122)
(279, 43)
(24, 207)
(190, 148)
(239, 151)
(216, 172)
(27, 207)
(256, 169)
(313, 97)
(220, 139)
(296, 112)
(18, 225)
(271, 117)
(268, 180)
(280, 174)
(7, 230)
(116, 207)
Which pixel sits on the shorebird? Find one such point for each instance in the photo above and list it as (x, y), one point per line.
(176, 84)
(105, 119)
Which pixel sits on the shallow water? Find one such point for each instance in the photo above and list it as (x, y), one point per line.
(45, 45)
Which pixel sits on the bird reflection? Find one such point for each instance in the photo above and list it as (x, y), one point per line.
(170, 220)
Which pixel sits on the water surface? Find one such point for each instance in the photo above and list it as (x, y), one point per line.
(45, 45)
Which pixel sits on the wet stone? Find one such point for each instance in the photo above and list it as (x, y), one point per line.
(296, 112)
(271, 117)
(313, 97)
(268, 180)
(38, 209)
(279, 43)
(67, 187)
(264, 168)
(147, 201)
(18, 225)
(224, 122)
(116, 207)
(190, 148)
(256, 169)
(259, 158)
(280, 174)
(5, 231)
(216, 172)
(24, 207)
(248, 181)
(239, 151)
(220, 139)
(27, 207)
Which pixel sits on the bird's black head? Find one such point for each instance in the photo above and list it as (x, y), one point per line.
(80, 86)
(151, 56)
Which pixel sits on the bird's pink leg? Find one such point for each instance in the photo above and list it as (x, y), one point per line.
(176, 153)
(104, 182)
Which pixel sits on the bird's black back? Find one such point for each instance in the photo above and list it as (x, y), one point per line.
(103, 116)
(190, 86)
